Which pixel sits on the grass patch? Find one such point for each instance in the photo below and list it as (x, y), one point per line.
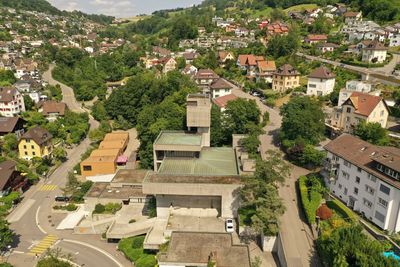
(265, 13)
(245, 214)
(301, 7)
(132, 248)
(341, 210)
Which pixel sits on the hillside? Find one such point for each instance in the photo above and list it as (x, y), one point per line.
(46, 7)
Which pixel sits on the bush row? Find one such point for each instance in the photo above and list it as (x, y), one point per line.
(310, 199)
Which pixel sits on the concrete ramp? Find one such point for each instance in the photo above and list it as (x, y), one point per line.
(88, 226)
(155, 237)
(72, 219)
(122, 230)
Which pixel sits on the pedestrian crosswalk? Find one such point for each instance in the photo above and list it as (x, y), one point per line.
(43, 245)
(48, 187)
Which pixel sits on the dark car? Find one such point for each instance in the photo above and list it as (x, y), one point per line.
(62, 198)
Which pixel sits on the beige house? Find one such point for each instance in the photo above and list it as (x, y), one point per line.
(359, 106)
(169, 64)
(374, 52)
(286, 77)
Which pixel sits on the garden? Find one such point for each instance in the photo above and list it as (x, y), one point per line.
(132, 248)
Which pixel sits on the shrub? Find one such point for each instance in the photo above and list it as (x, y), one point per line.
(71, 207)
(311, 199)
(148, 260)
(99, 208)
(152, 208)
(126, 246)
(112, 207)
(137, 242)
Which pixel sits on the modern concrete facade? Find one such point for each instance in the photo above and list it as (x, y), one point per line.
(366, 178)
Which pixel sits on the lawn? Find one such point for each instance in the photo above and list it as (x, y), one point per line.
(265, 13)
(301, 7)
(132, 248)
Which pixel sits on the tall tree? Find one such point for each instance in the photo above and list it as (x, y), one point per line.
(372, 132)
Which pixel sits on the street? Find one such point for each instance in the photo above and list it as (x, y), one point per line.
(296, 234)
(33, 220)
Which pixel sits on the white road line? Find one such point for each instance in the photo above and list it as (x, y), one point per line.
(37, 222)
(108, 255)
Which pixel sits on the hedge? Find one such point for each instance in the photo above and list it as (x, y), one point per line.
(341, 209)
(310, 200)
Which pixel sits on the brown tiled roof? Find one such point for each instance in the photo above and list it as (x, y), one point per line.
(287, 70)
(6, 170)
(206, 73)
(363, 103)
(223, 54)
(222, 101)
(249, 60)
(7, 124)
(266, 65)
(327, 45)
(38, 134)
(362, 154)
(220, 84)
(54, 107)
(7, 93)
(322, 73)
(317, 37)
(190, 55)
(375, 45)
(350, 14)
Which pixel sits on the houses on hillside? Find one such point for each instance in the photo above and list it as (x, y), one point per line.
(321, 82)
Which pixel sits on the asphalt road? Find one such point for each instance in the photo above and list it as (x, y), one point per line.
(33, 220)
(296, 236)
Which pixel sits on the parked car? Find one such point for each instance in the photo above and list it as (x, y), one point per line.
(229, 226)
(62, 198)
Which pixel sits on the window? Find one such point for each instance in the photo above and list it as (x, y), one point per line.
(87, 168)
(382, 113)
(371, 177)
(357, 179)
(369, 189)
(359, 169)
(367, 203)
(379, 216)
(33, 153)
(382, 202)
(355, 190)
(345, 191)
(348, 110)
(384, 189)
(28, 141)
(380, 167)
(312, 85)
(340, 186)
(32, 146)
(24, 146)
(345, 175)
(26, 153)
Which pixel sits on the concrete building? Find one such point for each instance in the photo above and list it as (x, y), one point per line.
(374, 52)
(11, 102)
(36, 142)
(358, 107)
(203, 249)
(366, 178)
(321, 82)
(286, 77)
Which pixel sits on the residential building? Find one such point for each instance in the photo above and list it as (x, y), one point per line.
(190, 70)
(222, 101)
(220, 88)
(13, 125)
(36, 142)
(366, 178)
(204, 249)
(10, 178)
(321, 82)
(316, 38)
(190, 57)
(394, 40)
(52, 109)
(358, 107)
(249, 63)
(204, 78)
(354, 86)
(224, 56)
(286, 77)
(11, 102)
(327, 47)
(265, 70)
(105, 160)
(375, 52)
(277, 28)
(352, 17)
(169, 64)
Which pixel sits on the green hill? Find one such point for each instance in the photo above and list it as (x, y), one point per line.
(31, 5)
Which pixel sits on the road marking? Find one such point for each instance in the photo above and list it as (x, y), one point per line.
(108, 255)
(17, 214)
(48, 187)
(43, 245)
(37, 222)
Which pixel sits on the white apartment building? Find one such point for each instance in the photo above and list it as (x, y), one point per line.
(354, 86)
(11, 102)
(321, 81)
(375, 52)
(366, 178)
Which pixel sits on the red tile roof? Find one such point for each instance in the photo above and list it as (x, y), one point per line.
(222, 101)
(363, 103)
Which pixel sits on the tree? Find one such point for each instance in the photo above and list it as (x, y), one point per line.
(240, 114)
(6, 234)
(60, 154)
(303, 119)
(10, 142)
(311, 156)
(29, 104)
(372, 132)
(99, 111)
(53, 258)
(7, 77)
(181, 63)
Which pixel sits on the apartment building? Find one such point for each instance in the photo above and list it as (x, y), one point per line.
(36, 142)
(286, 77)
(359, 106)
(220, 88)
(355, 86)
(321, 82)
(374, 52)
(11, 102)
(365, 177)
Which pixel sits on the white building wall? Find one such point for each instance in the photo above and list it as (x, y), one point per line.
(320, 87)
(365, 189)
(369, 55)
(220, 92)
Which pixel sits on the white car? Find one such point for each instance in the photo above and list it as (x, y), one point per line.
(229, 226)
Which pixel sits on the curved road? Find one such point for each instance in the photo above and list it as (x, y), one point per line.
(33, 219)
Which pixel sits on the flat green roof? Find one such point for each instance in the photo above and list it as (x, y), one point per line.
(212, 162)
(178, 138)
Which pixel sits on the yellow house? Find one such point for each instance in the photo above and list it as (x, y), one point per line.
(286, 77)
(36, 142)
